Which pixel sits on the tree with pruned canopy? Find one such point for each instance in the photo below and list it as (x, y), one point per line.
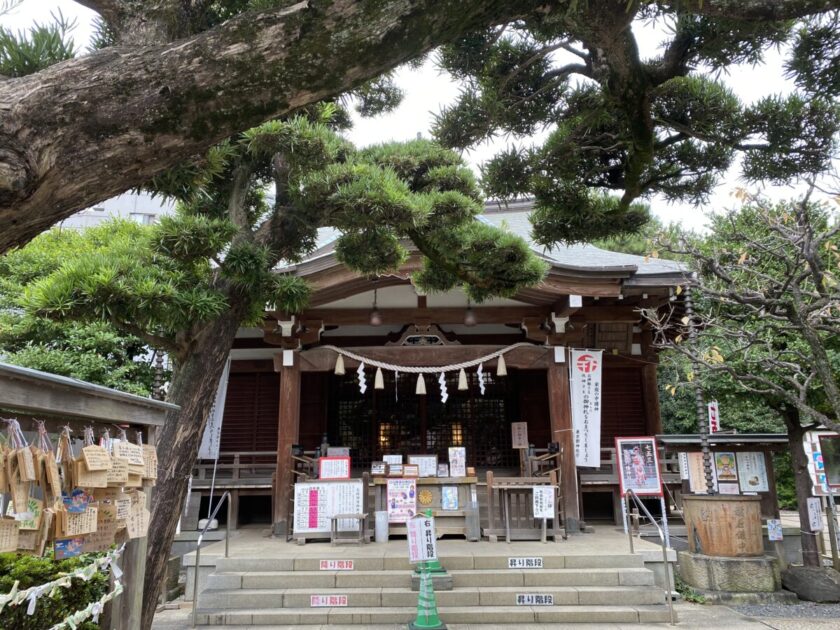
(173, 77)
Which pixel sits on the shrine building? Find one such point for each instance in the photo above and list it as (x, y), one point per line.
(285, 395)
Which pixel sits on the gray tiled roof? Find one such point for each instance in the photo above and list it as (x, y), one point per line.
(580, 257)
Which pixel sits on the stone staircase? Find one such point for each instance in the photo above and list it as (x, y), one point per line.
(278, 591)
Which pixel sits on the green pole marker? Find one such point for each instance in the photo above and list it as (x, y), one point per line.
(427, 613)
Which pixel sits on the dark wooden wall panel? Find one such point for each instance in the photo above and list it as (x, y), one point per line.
(313, 408)
(251, 410)
(533, 406)
(622, 404)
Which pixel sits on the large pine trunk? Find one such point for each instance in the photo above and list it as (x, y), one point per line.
(193, 388)
(799, 462)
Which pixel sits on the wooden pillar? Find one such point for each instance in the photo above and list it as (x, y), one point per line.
(560, 412)
(127, 608)
(650, 393)
(288, 431)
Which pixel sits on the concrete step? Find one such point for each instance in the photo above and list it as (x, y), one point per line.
(449, 614)
(452, 563)
(402, 579)
(395, 597)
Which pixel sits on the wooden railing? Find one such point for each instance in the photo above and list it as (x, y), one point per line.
(246, 466)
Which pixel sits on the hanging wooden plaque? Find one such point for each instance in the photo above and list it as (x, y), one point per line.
(118, 473)
(96, 458)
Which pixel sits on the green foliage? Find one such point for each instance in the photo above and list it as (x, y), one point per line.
(622, 129)
(91, 351)
(686, 592)
(31, 571)
(218, 252)
(43, 45)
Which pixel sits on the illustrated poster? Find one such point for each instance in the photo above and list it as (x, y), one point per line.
(725, 467)
(402, 499)
(638, 466)
(449, 497)
(752, 473)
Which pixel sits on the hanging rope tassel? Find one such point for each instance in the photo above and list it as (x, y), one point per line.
(501, 366)
(421, 386)
(378, 381)
(462, 381)
(339, 366)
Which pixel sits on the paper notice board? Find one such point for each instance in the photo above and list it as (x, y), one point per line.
(317, 501)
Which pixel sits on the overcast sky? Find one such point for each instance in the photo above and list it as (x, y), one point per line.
(427, 91)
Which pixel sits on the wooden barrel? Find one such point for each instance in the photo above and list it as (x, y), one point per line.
(724, 525)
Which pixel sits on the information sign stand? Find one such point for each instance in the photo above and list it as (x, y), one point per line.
(422, 550)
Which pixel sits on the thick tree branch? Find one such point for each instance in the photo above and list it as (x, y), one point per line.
(763, 10)
(87, 129)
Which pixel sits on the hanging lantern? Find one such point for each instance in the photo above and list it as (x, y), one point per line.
(501, 367)
(421, 386)
(339, 366)
(462, 380)
(378, 381)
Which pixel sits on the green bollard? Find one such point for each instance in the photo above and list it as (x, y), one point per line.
(427, 613)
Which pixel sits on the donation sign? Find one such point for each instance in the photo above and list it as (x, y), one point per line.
(586, 367)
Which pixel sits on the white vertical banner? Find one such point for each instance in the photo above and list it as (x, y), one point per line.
(213, 430)
(585, 369)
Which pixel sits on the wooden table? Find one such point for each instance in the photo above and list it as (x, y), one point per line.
(462, 521)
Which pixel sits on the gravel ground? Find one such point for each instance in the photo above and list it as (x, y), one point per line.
(802, 609)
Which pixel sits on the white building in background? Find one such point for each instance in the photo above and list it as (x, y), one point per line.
(139, 207)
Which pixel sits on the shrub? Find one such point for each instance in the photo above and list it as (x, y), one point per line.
(33, 571)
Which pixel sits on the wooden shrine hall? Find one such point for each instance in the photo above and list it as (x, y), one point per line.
(283, 390)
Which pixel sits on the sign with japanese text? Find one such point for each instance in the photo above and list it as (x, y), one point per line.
(457, 461)
(525, 563)
(534, 599)
(725, 466)
(543, 502)
(752, 472)
(586, 368)
(336, 565)
(697, 475)
(316, 502)
(638, 466)
(815, 514)
(774, 529)
(714, 417)
(334, 468)
(519, 434)
(327, 601)
(401, 495)
(422, 545)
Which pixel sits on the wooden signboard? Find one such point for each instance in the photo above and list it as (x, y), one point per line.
(519, 434)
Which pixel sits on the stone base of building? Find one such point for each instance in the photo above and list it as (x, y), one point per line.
(730, 575)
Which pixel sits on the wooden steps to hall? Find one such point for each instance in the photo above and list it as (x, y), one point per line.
(585, 589)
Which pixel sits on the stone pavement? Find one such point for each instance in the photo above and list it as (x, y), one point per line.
(690, 616)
